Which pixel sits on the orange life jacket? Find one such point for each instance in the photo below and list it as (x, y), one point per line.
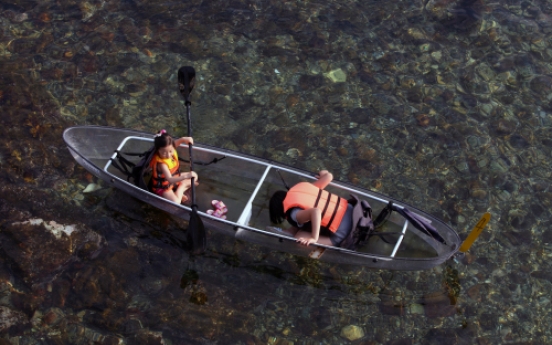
(305, 195)
(159, 180)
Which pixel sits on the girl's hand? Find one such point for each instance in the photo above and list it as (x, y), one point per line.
(187, 140)
(322, 173)
(306, 241)
(324, 178)
(189, 175)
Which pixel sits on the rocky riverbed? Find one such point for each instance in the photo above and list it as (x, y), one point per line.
(444, 104)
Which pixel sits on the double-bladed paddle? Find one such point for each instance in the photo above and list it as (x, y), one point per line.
(195, 236)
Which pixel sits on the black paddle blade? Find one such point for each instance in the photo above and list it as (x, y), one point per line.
(384, 214)
(196, 238)
(186, 78)
(420, 223)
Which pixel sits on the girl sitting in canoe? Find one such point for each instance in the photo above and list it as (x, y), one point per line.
(167, 180)
(308, 203)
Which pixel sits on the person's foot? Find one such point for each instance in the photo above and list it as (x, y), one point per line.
(186, 200)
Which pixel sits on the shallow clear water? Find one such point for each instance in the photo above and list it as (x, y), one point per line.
(443, 104)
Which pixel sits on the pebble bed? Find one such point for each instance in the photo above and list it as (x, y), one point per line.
(443, 104)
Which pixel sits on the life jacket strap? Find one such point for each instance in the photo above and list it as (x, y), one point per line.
(327, 204)
(335, 211)
(318, 198)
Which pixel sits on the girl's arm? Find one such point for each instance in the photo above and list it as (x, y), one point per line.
(314, 216)
(174, 179)
(184, 140)
(324, 178)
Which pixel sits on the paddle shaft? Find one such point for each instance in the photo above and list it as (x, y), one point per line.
(190, 148)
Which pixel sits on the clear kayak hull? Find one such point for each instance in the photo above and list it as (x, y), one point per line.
(245, 184)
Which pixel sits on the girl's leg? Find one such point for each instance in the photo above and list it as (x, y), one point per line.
(182, 188)
(177, 195)
(170, 195)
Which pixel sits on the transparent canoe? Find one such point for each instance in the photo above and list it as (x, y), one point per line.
(245, 184)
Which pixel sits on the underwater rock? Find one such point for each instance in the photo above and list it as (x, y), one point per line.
(544, 275)
(10, 317)
(336, 76)
(97, 65)
(43, 248)
(56, 229)
(92, 187)
(547, 236)
(389, 307)
(438, 304)
(542, 85)
(52, 317)
(416, 308)
(352, 332)
(519, 238)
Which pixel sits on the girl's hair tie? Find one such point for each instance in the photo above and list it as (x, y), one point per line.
(161, 132)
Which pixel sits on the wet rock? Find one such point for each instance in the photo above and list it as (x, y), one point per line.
(544, 275)
(53, 317)
(505, 125)
(468, 259)
(518, 142)
(383, 104)
(42, 248)
(223, 89)
(136, 90)
(438, 304)
(292, 101)
(147, 337)
(10, 317)
(92, 187)
(392, 308)
(352, 332)
(336, 76)
(457, 336)
(423, 120)
(307, 82)
(125, 262)
(485, 72)
(547, 236)
(542, 85)
(113, 117)
(416, 309)
(518, 238)
(478, 291)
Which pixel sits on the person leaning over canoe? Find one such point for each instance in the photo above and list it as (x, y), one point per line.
(167, 180)
(307, 203)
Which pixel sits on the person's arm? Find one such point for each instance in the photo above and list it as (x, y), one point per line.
(174, 179)
(324, 178)
(314, 216)
(184, 140)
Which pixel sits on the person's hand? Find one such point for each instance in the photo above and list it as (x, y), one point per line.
(322, 173)
(306, 241)
(188, 140)
(194, 175)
